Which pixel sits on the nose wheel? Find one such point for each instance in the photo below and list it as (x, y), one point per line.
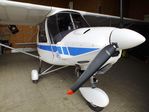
(94, 107)
(95, 97)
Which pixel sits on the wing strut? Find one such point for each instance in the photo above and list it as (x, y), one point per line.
(21, 51)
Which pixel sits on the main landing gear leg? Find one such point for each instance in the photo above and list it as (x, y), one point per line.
(93, 81)
(35, 74)
(40, 67)
(78, 71)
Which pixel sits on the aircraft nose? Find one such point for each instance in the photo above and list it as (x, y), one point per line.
(126, 38)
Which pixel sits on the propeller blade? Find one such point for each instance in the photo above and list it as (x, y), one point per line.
(97, 63)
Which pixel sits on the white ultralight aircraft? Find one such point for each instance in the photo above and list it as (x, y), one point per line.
(65, 38)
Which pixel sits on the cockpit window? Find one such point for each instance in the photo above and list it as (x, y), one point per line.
(60, 24)
(79, 22)
(42, 33)
(52, 27)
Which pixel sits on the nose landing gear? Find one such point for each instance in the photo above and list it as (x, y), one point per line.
(95, 97)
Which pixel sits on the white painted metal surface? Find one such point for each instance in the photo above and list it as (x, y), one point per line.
(22, 13)
(96, 37)
(95, 96)
(23, 49)
(126, 38)
(34, 75)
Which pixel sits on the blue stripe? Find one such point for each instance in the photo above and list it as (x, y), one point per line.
(65, 51)
(59, 50)
(74, 51)
(54, 48)
(78, 51)
(47, 48)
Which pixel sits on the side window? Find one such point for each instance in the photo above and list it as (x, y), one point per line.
(42, 34)
(52, 26)
(79, 22)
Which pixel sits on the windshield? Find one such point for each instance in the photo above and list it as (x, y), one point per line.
(79, 22)
(60, 24)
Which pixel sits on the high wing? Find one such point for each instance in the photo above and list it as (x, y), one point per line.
(22, 13)
(96, 19)
(30, 14)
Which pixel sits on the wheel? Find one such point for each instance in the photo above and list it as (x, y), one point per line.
(35, 81)
(95, 108)
(34, 76)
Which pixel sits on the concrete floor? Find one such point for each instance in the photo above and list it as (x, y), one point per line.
(127, 85)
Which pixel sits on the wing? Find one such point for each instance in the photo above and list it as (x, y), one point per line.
(96, 19)
(22, 13)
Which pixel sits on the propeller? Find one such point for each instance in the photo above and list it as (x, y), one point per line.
(97, 63)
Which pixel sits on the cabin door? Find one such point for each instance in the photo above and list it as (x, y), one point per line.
(44, 43)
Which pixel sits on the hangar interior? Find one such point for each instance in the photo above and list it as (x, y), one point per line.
(126, 82)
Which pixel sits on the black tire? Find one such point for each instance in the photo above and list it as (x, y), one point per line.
(35, 81)
(39, 71)
(94, 107)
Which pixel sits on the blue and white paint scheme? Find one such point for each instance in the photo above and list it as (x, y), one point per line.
(76, 47)
(65, 38)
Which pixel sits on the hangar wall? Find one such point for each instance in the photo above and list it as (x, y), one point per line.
(56, 3)
(26, 34)
(137, 9)
(98, 6)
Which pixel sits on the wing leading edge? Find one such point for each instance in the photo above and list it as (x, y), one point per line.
(25, 13)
